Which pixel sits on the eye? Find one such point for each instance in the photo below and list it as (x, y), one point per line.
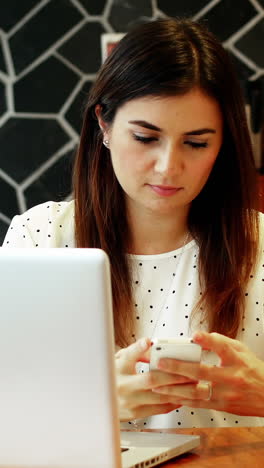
(196, 145)
(144, 140)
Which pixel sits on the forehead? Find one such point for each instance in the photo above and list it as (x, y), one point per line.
(194, 109)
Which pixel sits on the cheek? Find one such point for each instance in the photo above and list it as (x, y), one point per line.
(203, 167)
(125, 166)
(128, 160)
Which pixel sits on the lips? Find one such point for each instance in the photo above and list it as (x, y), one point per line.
(165, 190)
(166, 187)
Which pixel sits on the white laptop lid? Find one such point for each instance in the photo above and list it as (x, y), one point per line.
(54, 351)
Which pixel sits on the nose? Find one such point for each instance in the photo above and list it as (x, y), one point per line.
(169, 161)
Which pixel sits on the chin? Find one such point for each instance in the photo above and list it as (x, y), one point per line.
(165, 208)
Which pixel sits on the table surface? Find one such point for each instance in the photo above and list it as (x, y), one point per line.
(236, 447)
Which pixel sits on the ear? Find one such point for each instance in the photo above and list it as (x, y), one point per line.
(101, 122)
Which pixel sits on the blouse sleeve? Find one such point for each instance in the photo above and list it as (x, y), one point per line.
(18, 234)
(50, 224)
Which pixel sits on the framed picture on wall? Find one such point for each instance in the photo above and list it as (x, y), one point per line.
(108, 42)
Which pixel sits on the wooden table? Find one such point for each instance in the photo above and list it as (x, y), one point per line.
(236, 447)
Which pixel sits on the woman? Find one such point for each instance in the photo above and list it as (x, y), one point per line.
(164, 182)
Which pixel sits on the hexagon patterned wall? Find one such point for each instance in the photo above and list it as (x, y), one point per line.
(49, 53)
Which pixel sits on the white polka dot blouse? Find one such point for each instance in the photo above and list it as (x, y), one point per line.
(166, 287)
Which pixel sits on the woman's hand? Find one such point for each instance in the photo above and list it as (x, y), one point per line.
(237, 384)
(135, 396)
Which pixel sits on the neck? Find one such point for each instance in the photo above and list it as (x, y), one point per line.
(155, 234)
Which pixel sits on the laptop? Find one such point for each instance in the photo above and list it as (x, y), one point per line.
(58, 402)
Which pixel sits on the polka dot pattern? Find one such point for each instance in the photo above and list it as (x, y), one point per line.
(172, 303)
(47, 225)
(166, 287)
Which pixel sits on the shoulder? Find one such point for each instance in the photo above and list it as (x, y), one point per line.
(261, 234)
(261, 219)
(261, 227)
(50, 224)
(48, 213)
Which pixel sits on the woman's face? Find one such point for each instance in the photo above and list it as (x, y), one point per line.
(163, 149)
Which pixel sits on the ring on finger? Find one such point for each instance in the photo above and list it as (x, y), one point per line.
(206, 387)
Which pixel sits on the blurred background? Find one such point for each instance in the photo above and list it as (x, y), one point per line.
(50, 51)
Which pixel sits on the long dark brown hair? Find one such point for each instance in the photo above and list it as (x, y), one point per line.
(166, 58)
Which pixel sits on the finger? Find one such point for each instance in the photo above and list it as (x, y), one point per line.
(198, 391)
(218, 405)
(195, 371)
(155, 378)
(151, 410)
(127, 358)
(225, 347)
(158, 378)
(226, 402)
(139, 346)
(147, 355)
(148, 380)
(144, 397)
(202, 404)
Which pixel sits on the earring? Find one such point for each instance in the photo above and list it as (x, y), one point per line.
(106, 143)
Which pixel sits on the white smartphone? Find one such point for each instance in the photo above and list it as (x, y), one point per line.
(182, 349)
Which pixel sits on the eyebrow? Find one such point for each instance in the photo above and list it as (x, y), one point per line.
(150, 126)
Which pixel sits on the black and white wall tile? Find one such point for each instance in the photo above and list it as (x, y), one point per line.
(50, 51)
